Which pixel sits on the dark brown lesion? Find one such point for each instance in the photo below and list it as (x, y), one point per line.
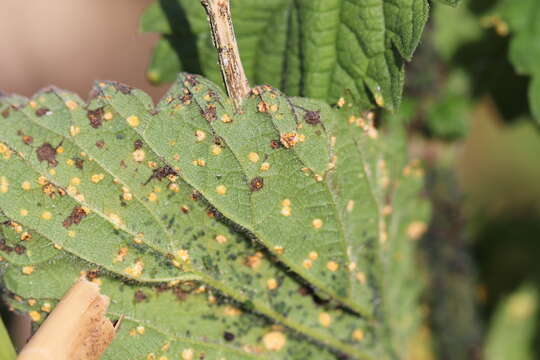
(256, 183)
(124, 89)
(161, 173)
(75, 218)
(312, 117)
(95, 117)
(47, 152)
(43, 111)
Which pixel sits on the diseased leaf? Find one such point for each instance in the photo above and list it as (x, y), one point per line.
(312, 48)
(173, 193)
(522, 18)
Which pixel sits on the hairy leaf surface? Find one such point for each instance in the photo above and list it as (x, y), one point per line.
(312, 48)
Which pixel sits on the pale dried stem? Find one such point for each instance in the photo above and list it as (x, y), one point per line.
(219, 17)
(76, 330)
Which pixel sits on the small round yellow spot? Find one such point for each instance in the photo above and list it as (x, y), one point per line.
(127, 196)
(317, 223)
(46, 215)
(4, 184)
(265, 166)
(74, 130)
(361, 277)
(200, 135)
(187, 354)
(280, 250)
(72, 105)
(216, 150)
(221, 239)
(350, 205)
(52, 172)
(199, 162)
(416, 229)
(46, 307)
(358, 335)
(140, 329)
(97, 178)
(253, 157)
(221, 189)
(152, 197)
(57, 246)
(286, 211)
(138, 238)
(71, 233)
(313, 255)
(35, 316)
(70, 162)
(174, 187)
(27, 270)
(325, 319)
(24, 212)
(75, 181)
(274, 340)
(108, 116)
(138, 155)
(332, 266)
(226, 118)
(308, 264)
(133, 121)
(26, 185)
(271, 284)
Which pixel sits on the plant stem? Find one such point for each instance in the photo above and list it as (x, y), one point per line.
(219, 17)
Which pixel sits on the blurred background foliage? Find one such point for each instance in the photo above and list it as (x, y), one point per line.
(472, 100)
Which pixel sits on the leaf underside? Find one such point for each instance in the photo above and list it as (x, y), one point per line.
(311, 48)
(289, 209)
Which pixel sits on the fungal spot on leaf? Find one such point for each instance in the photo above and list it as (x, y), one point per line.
(133, 121)
(47, 153)
(124, 89)
(138, 144)
(228, 336)
(139, 296)
(312, 117)
(256, 183)
(274, 341)
(100, 144)
(43, 111)
(210, 113)
(290, 139)
(161, 173)
(95, 117)
(275, 144)
(5, 113)
(75, 218)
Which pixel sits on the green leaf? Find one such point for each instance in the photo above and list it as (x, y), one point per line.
(450, 2)
(310, 48)
(176, 192)
(7, 352)
(522, 18)
(512, 330)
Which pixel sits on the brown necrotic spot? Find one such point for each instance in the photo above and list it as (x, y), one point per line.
(19, 249)
(95, 117)
(161, 172)
(210, 113)
(138, 144)
(100, 144)
(47, 153)
(124, 89)
(27, 139)
(312, 117)
(5, 113)
(228, 336)
(275, 144)
(139, 296)
(79, 163)
(256, 183)
(191, 80)
(76, 216)
(42, 111)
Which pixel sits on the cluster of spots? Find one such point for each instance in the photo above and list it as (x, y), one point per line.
(286, 207)
(312, 117)
(366, 123)
(5, 151)
(19, 249)
(290, 139)
(95, 117)
(136, 269)
(122, 252)
(254, 261)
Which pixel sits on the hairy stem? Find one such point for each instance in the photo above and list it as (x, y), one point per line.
(219, 17)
